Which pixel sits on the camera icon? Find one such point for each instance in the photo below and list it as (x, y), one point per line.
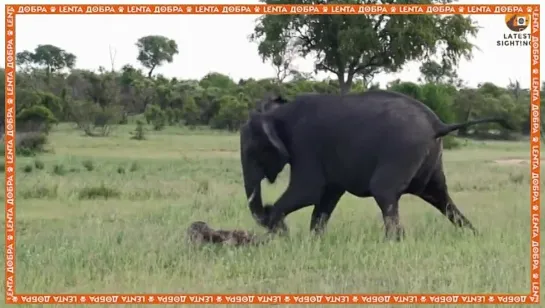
(520, 21)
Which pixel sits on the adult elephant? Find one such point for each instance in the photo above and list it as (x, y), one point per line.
(381, 144)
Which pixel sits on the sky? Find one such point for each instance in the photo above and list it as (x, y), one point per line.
(220, 44)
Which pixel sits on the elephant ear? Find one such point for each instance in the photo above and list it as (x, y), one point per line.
(263, 125)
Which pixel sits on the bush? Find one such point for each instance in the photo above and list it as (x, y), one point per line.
(451, 142)
(438, 98)
(51, 102)
(39, 164)
(190, 112)
(124, 119)
(410, 89)
(39, 192)
(25, 152)
(139, 131)
(170, 116)
(101, 191)
(59, 169)
(27, 169)
(36, 118)
(155, 116)
(88, 165)
(134, 167)
(231, 115)
(93, 119)
(100, 100)
(31, 143)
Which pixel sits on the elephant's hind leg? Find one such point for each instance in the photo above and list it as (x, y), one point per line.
(436, 194)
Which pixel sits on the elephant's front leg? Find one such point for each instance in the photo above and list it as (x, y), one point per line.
(300, 193)
(280, 226)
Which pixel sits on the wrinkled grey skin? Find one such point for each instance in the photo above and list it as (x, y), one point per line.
(253, 173)
(378, 144)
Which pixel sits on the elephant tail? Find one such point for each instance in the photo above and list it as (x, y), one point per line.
(445, 129)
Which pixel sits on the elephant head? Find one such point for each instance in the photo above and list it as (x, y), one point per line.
(270, 103)
(263, 155)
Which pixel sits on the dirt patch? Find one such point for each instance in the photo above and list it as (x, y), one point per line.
(216, 150)
(512, 161)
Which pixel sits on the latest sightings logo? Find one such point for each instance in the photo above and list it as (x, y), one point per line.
(516, 23)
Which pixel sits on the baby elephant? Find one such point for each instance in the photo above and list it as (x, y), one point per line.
(199, 232)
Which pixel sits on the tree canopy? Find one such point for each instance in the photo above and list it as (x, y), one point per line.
(364, 45)
(155, 50)
(49, 57)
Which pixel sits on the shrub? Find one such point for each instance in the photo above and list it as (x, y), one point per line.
(231, 115)
(27, 169)
(203, 187)
(59, 169)
(410, 89)
(97, 192)
(39, 164)
(51, 102)
(139, 131)
(156, 117)
(451, 142)
(31, 143)
(124, 119)
(39, 192)
(134, 167)
(36, 118)
(190, 112)
(88, 165)
(438, 98)
(25, 152)
(170, 116)
(93, 119)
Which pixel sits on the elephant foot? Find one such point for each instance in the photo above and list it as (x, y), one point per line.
(279, 228)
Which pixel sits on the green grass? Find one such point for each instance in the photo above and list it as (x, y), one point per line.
(85, 226)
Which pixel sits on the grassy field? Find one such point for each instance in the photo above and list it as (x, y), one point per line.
(70, 239)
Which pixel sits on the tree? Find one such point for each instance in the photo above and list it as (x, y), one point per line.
(231, 114)
(217, 80)
(434, 72)
(190, 112)
(137, 91)
(155, 50)
(364, 45)
(50, 57)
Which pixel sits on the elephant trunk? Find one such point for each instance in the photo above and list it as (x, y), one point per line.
(252, 181)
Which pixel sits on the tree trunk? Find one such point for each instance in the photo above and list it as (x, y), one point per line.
(345, 88)
(344, 85)
(151, 71)
(48, 75)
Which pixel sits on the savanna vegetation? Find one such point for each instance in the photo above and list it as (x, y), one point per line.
(113, 165)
